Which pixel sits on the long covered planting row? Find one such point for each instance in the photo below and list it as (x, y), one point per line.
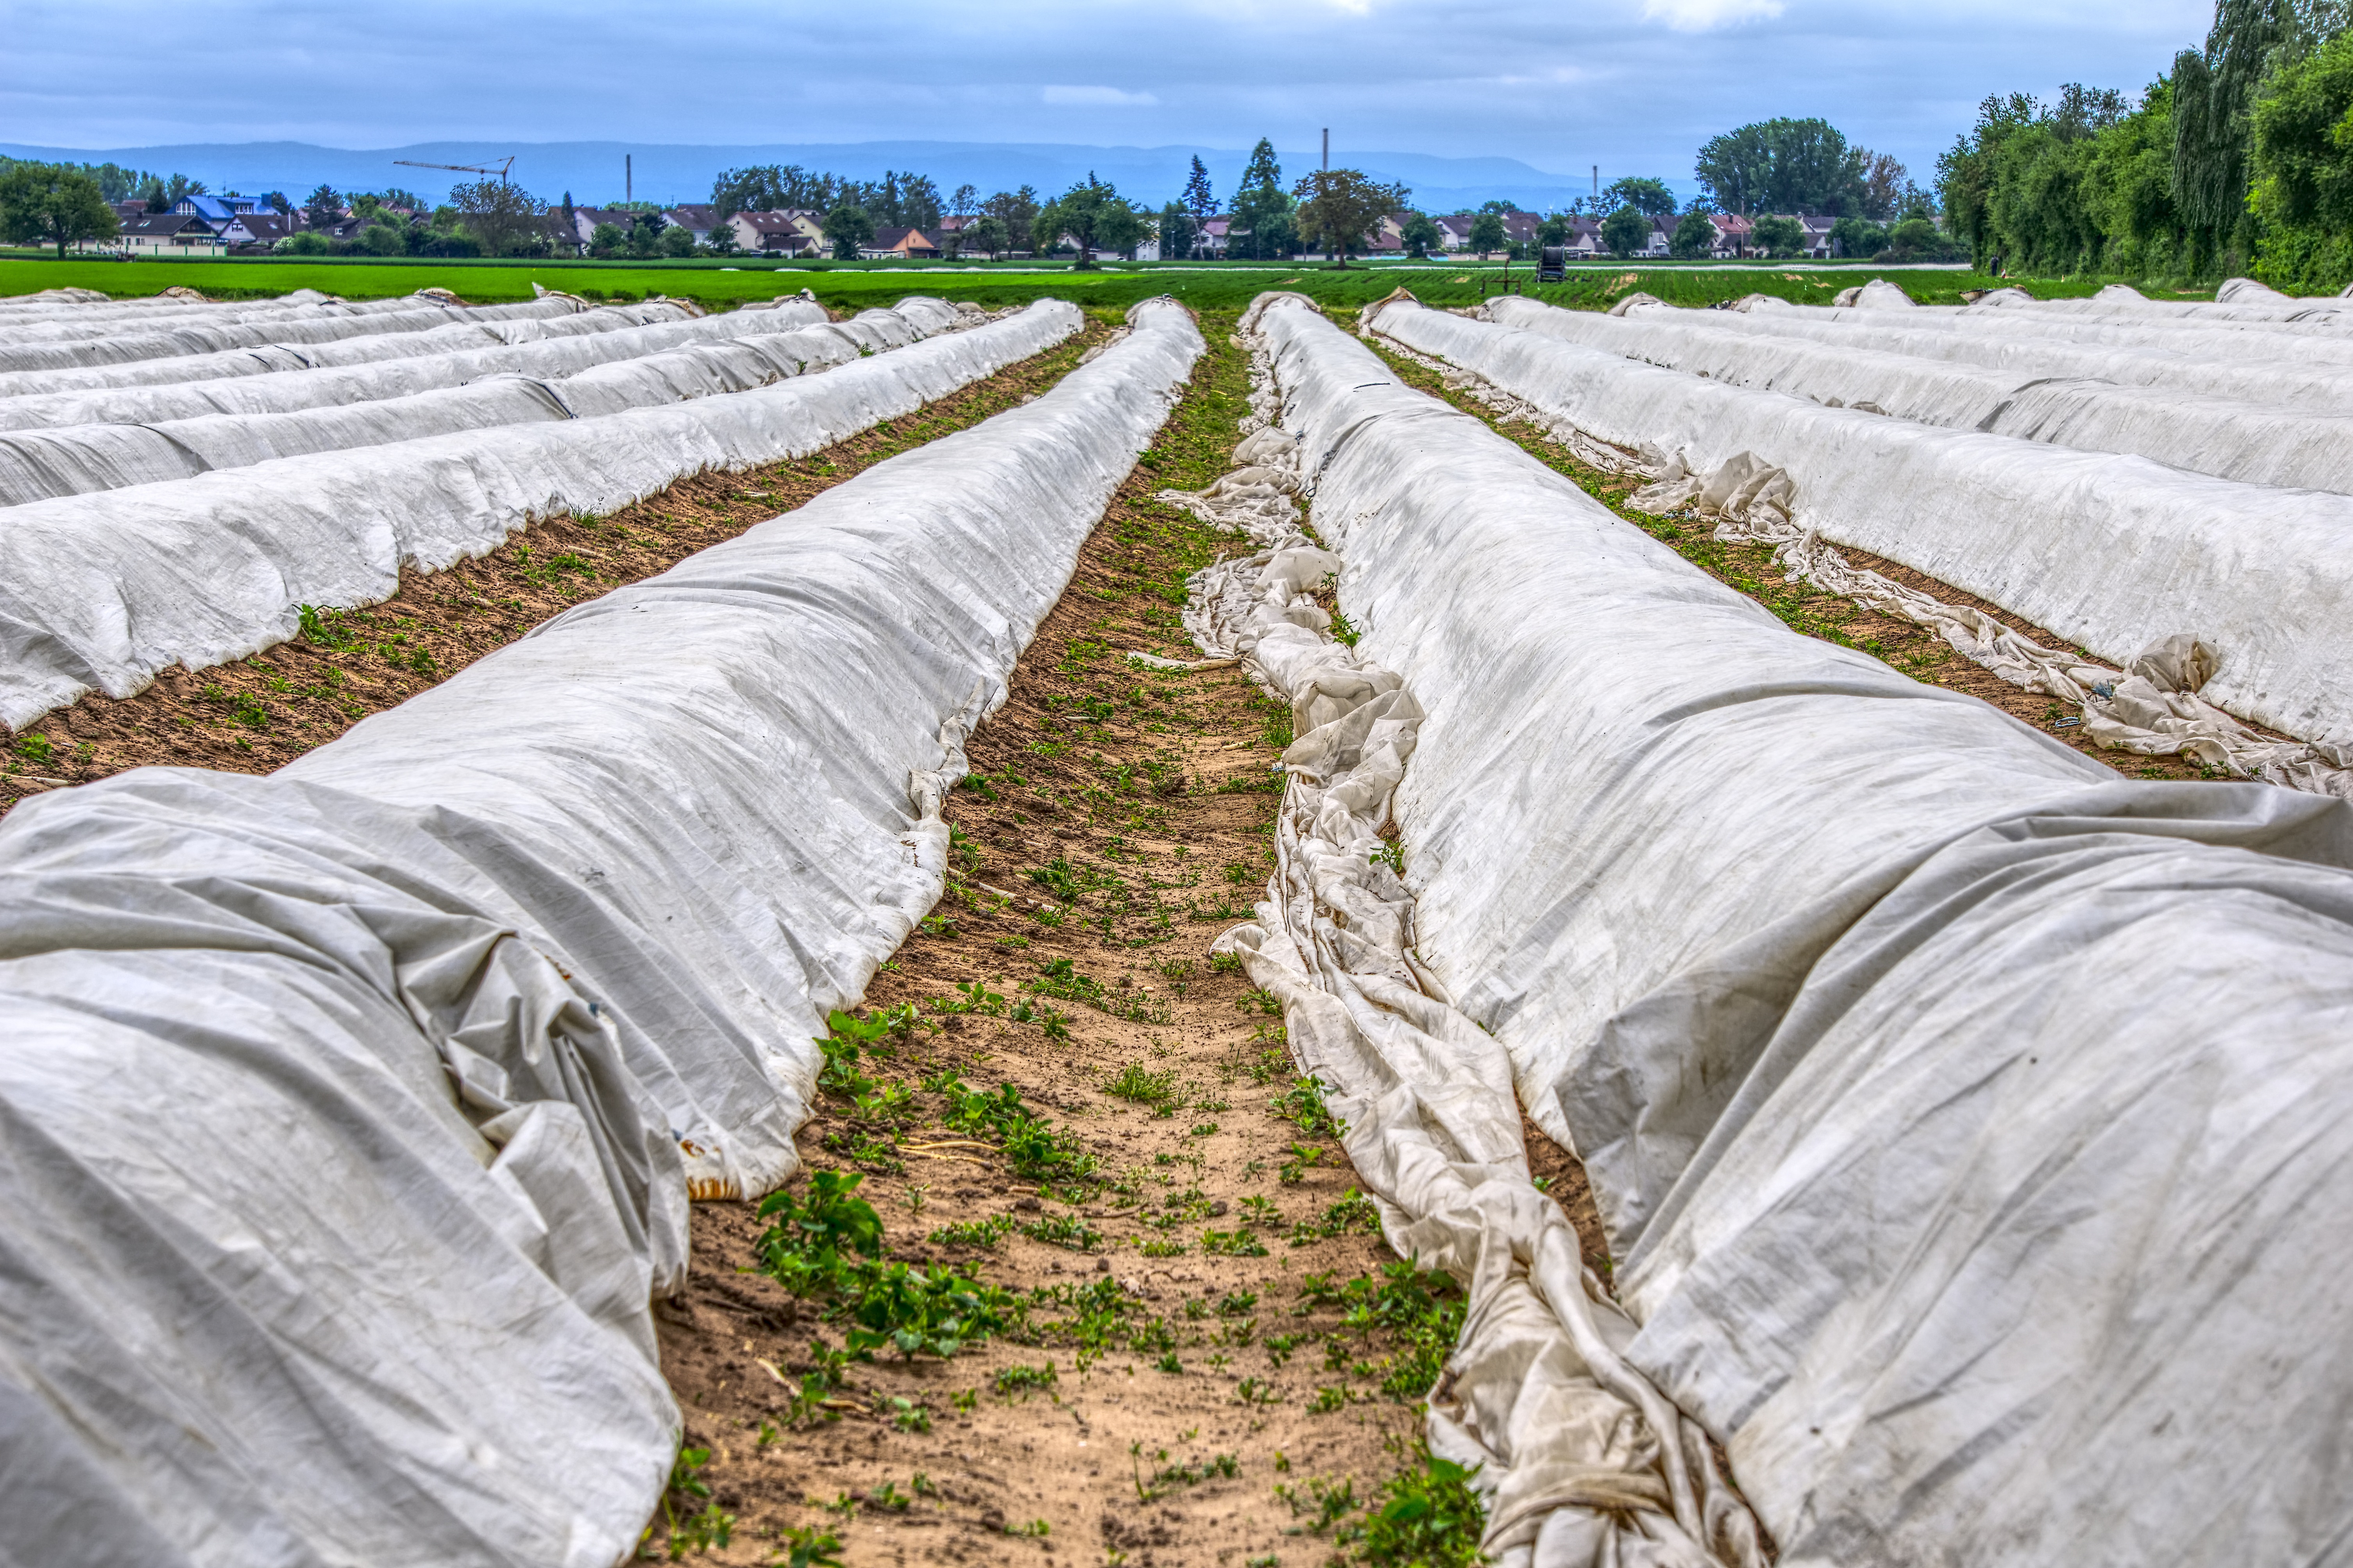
(238, 390)
(2181, 423)
(2113, 553)
(2026, 356)
(672, 364)
(1882, 304)
(1972, 1126)
(23, 351)
(457, 327)
(445, 1019)
(99, 592)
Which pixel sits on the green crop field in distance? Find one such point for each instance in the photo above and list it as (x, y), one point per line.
(854, 287)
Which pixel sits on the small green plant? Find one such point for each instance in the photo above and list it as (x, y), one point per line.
(965, 1399)
(973, 1233)
(1037, 1528)
(325, 627)
(1343, 630)
(695, 1523)
(1355, 1214)
(1259, 1209)
(1328, 1399)
(1304, 1104)
(810, 1546)
(1392, 855)
(1163, 1246)
(1024, 1381)
(1138, 1083)
(812, 1234)
(1428, 1517)
(1065, 1231)
(1168, 1363)
(1258, 1392)
(888, 1496)
(907, 1416)
(1232, 1244)
(1280, 1346)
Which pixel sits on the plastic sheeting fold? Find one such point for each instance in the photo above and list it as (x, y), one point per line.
(212, 337)
(344, 1126)
(99, 592)
(1970, 1125)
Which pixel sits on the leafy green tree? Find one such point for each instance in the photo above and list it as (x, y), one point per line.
(1858, 237)
(1263, 221)
(1496, 205)
(1649, 197)
(1626, 231)
(1420, 235)
(323, 210)
(1092, 214)
(849, 229)
(2301, 154)
(1198, 200)
(1177, 233)
(1695, 236)
(302, 242)
(503, 216)
(606, 239)
(987, 232)
(1783, 165)
(1553, 231)
(1487, 234)
(46, 203)
(1778, 236)
(1340, 208)
(1014, 211)
(677, 243)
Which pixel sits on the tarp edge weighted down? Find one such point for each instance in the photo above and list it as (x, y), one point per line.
(435, 1016)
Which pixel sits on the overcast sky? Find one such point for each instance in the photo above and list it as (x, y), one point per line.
(1631, 85)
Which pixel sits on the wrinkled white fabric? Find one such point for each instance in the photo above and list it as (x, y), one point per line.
(346, 1108)
(284, 391)
(99, 592)
(77, 459)
(2112, 551)
(1968, 1122)
(2322, 385)
(467, 329)
(2256, 442)
(1581, 1463)
(212, 335)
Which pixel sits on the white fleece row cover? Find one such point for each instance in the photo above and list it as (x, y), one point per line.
(161, 340)
(2327, 385)
(283, 391)
(2259, 443)
(1974, 1129)
(38, 464)
(2110, 551)
(99, 592)
(184, 305)
(468, 327)
(55, 328)
(2238, 299)
(345, 1108)
(2216, 339)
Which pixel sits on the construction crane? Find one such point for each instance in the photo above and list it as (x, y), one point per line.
(499, 169)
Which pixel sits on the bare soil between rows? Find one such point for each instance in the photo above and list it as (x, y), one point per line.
(1128, 814)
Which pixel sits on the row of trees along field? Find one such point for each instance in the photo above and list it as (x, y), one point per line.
(2238, 160)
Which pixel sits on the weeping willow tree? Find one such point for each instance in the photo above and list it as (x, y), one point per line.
(2214, 95)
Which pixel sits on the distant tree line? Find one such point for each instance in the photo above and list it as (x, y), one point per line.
(2239, 159)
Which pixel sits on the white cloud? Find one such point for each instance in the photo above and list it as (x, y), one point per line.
(1705, 16)
(1097, 98)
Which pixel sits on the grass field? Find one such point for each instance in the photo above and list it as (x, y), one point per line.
(1205, 286)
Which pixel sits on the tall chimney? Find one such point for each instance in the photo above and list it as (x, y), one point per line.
(629, 179)
(1327, 149)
